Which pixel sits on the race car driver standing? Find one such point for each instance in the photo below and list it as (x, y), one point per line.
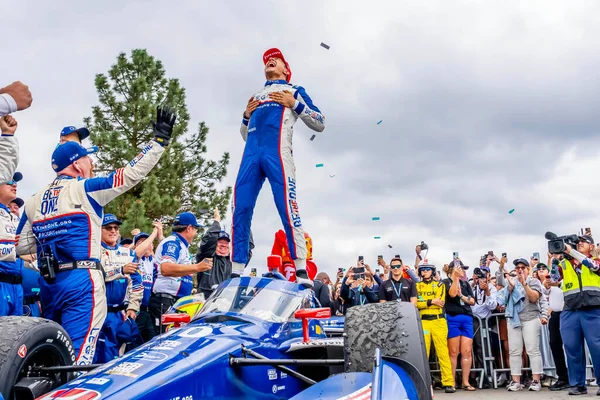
(124, 292)
(267, 128)
(63, 223)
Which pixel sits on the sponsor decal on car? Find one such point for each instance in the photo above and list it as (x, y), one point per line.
(22, 352)
(167, 345)
(276, 388)
(152, 356)
(125, 369)
(190, 397)
(362, 393)
(98, 381)
(71, 394)
(197, 332)
(272, 374)
(283, 375)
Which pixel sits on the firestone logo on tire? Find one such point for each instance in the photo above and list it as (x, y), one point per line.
(71, 394)
(22, 351)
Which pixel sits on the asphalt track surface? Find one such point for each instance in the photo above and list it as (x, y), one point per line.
(503, 394)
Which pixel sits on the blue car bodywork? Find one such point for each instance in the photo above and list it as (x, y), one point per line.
(194, 361)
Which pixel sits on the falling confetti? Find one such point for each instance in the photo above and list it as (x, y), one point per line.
(332, 176)
(511, 211)
(375, 218)
(377, 237)
(326, 46)
(313, 137)
(379, 122)
(390, 246)
(319, 165)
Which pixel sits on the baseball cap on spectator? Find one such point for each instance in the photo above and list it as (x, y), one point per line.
(110, 219)
(587, 239)
(224, 235)
(141, 235)
(81, 132)
(520, 261)
(458, 263)
(275, 52)
(539, 266)
(19, 202)
(125, 242)
(69, 152)
(187, 218)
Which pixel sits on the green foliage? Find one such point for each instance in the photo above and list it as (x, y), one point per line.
(183, 180)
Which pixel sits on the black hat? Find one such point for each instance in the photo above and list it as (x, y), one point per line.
(19, 202)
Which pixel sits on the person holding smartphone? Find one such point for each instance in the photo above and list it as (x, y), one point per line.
(124, 291)
(459, 299)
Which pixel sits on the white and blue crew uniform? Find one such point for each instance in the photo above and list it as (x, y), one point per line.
(11, 275)
(268, 154)
(167, 290)
(123, 292)
(66, 219)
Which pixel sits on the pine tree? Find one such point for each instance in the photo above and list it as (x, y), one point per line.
(183, 180)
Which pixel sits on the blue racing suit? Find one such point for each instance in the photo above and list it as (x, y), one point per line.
(123, 292)
(66, 218)
(11, 291)
(268, 154)
(31, 290)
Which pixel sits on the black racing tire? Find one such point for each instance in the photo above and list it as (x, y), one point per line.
(393, 327)
(29, 341)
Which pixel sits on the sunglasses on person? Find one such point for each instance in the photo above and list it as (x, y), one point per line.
(520, 267)
(111, 228)
(426, 269)
(396, 266)
(11, 182)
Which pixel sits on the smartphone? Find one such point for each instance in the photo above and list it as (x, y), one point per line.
(377, 271)
(503, 254)
(379, 257)
(536, 255)
(360, 270)
(491, 252)
(397, 256)
(361, 259)
(340, 270)
(455, 255)
(588, 231)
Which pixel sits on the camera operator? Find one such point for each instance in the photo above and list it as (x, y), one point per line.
(581, 314)
(62, 222)
(484, 293)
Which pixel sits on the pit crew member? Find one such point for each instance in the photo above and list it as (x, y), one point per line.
(174, 269)
(63, 223)
(11, 269)
(267, 129)
(124, 291)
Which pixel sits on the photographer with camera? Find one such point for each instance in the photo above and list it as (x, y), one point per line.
(580, 317)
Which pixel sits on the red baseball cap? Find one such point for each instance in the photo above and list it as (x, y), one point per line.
(275, 52)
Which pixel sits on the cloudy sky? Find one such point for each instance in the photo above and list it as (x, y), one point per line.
(486, 106)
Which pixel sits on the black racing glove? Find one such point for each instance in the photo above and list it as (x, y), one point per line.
(163, 127)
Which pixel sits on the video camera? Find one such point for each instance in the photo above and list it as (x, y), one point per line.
(424, 246)
(481, 274)
(557, 244)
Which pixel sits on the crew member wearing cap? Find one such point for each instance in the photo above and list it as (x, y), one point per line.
(215, 245)
(72, 134)
(11, 270)
(15, 206)
(144, 248)
(430, 303)
(580, 318)
(124, 291)
(459, 299)
(174, 269)
(267, 129)
(63, 223)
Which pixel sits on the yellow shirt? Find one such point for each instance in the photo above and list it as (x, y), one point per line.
(427, 292)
